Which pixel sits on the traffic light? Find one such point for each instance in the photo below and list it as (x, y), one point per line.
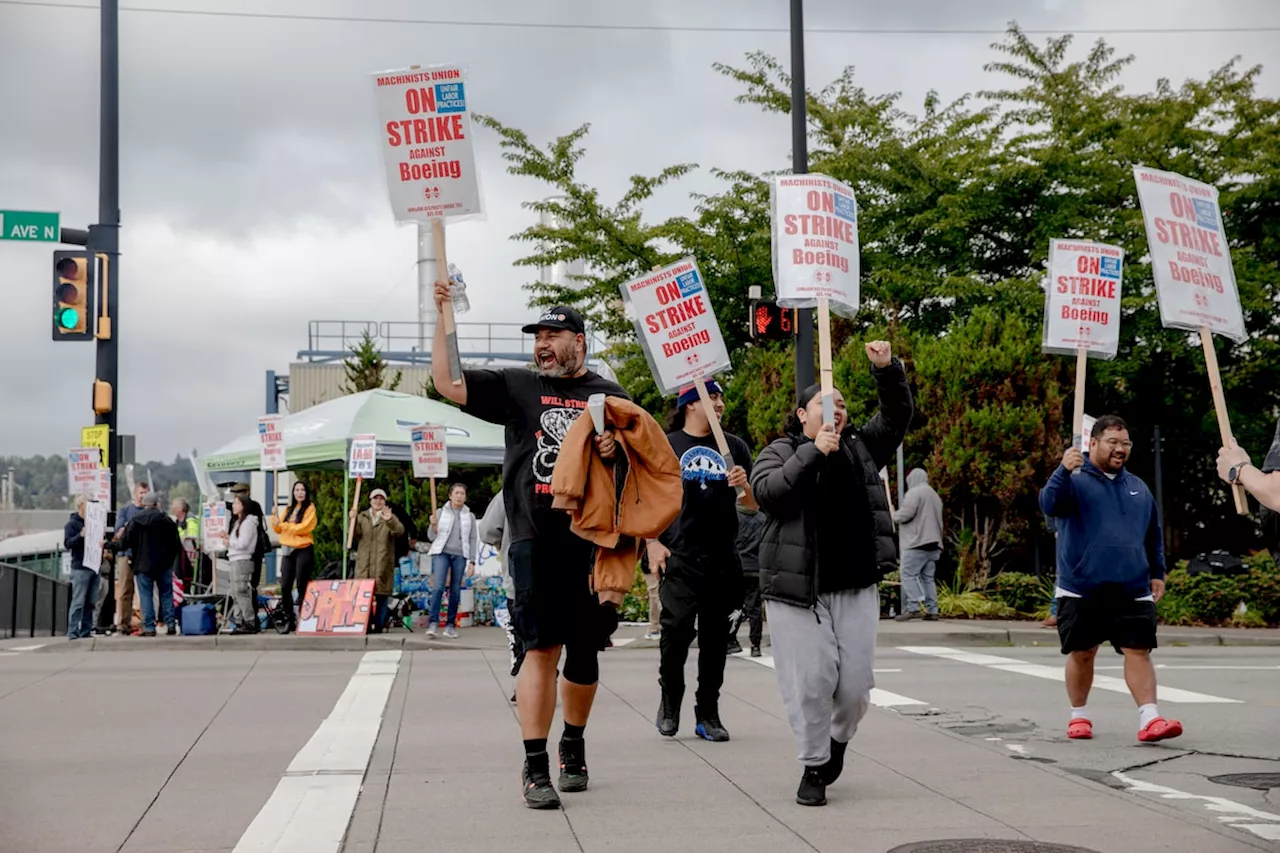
(769, 322)
(72, 297)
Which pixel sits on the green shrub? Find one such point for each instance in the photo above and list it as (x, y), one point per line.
(1208, 599)
(959, 601)
(635, 606)
(1022, 592)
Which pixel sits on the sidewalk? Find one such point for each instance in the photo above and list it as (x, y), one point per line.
(946, 632)
(450, 768)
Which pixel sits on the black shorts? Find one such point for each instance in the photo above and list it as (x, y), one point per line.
(554, 604)
(1085, 623)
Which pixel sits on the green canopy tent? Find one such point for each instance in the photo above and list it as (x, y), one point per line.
(320, 437)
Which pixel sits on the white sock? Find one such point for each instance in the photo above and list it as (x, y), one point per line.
(1081, 713)
(1146, 713)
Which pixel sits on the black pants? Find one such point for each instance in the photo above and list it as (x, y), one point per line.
(688, 598)
(296, 567)
(752, 612)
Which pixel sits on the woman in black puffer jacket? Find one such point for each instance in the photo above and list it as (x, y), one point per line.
(828, 542)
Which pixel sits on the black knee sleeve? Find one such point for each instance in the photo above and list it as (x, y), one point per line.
(581, 664)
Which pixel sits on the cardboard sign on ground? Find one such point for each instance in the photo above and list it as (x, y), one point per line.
(336, 608)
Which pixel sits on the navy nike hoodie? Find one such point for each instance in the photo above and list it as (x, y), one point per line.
(1108, 530)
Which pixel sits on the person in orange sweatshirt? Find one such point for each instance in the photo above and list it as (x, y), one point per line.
(295, 524)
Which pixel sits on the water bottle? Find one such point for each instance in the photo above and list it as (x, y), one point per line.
(461, 304)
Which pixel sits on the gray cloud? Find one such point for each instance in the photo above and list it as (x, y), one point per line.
(252, 188)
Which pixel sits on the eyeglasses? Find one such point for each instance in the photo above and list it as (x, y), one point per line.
(1111, 442)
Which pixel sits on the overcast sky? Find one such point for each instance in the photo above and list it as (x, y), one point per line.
(251, 185)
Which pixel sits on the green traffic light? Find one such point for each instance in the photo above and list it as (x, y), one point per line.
(68, 318)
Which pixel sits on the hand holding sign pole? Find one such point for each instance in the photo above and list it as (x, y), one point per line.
(1195, 281)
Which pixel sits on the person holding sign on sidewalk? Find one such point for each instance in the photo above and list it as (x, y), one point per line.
(1110, 573)
(376, 532)
(701, 578)
(295, 524)
(554, 609)
(828, 542)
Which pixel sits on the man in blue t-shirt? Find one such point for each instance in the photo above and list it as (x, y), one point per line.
(1110, 573)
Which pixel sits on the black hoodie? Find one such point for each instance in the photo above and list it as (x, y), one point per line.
(152, 536)
(73, 540)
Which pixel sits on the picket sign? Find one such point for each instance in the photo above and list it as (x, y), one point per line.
(677, 329)
(1082, 310)
(1195, 281)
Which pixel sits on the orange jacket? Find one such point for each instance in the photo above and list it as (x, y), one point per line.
(618, 517)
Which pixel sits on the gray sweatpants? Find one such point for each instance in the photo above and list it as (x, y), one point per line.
(825, 663)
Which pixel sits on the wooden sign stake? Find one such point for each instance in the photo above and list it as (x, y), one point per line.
(433, 497)
(446, 314)
(1077, 418)
(824, 361)
(1220, 406)
(705, 399)
(351, 529)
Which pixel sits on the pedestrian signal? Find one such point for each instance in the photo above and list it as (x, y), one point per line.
(769, 322)
(72, 297)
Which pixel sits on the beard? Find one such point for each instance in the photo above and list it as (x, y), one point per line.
(563, 362)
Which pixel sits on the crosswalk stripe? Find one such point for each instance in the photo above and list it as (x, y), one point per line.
(879, 698)
(1057, 673)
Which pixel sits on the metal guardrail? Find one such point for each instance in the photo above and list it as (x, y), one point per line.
(331, 340)
(32, 603)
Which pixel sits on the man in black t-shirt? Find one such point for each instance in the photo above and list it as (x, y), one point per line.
(698, 563)
(554, 607)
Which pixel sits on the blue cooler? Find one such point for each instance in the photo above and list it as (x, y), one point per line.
(199, 620)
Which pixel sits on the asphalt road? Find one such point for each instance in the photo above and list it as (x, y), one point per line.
(195, 751)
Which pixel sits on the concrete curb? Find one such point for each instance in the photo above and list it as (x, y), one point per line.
(977, 636)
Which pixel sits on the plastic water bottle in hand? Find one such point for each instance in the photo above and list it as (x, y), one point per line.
(461, 304)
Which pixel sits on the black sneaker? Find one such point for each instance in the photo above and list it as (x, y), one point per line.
(735, 648)
(835, 764)
(755, 651)
(668, 721)
(908, 616)
(813, 789)
(931, 617)
(709, 726)
(537, 791)
(573, 765)
(171, 631)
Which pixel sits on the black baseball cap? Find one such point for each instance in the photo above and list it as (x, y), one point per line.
(558, 318)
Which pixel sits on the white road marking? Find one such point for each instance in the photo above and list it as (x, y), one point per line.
(27, 648)
(311, 806)
(1229, 811)
(879, 698)
(1197, 666)
(1057, 673)
(624, 642)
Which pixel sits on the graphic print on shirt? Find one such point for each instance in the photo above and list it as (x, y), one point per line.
(702, 465)
(555, 424)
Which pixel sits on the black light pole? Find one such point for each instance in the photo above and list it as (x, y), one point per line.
(799, 166)
(104, 239)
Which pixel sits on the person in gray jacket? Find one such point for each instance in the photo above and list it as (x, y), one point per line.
(494, 531)
(919, 522)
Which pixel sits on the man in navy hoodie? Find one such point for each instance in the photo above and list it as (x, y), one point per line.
(1110, 573)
